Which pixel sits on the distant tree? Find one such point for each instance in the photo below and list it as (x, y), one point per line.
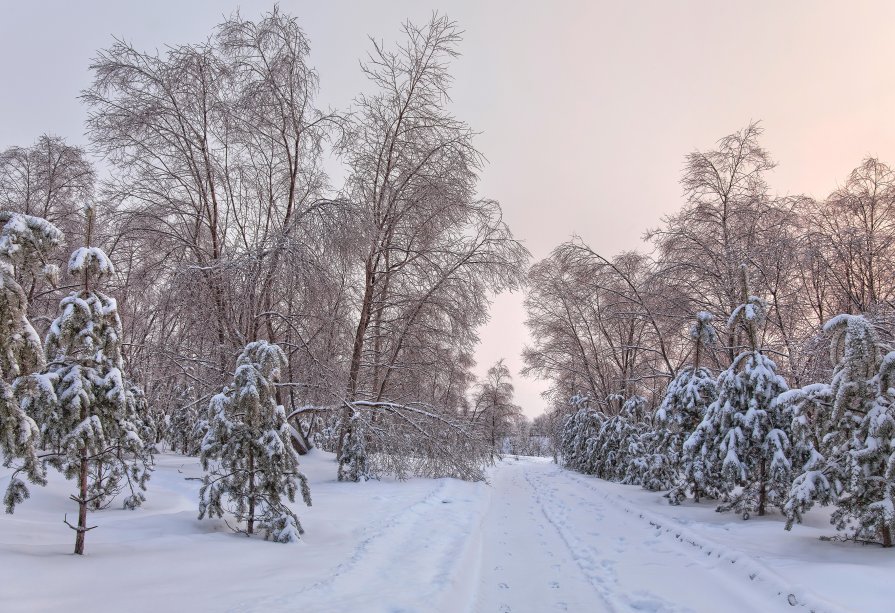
(493, 408)
(251, 465)
(430, 251)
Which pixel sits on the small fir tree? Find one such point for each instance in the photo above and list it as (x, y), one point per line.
(688, 397)
(582, 425)
(23, 242)
(187, 430)
(87, 412)
(743, 439)
(845, 435)
(353, 461)
(251, 465)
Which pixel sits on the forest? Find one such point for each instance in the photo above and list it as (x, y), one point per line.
(193, 282)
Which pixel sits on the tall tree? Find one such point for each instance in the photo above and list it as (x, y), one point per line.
(218, 190)
(430, 251)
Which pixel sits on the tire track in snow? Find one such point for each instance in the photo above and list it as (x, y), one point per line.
(630, 563)
(600, 574)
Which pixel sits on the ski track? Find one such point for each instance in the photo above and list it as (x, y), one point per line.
(741, 565)
(552, 545)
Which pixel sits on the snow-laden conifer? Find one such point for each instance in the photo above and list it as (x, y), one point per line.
(582, 425)
(23, 242)
(187, 430)
(743, 440)
(354, 464)
(88, 416)
(252, 468)
(844, 433)
(685, 403)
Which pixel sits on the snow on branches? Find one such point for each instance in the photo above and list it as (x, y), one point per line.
(23, 239)
(251, 465)
(844, 434)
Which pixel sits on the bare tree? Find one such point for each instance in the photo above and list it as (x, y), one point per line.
(494, 411)
(430, 250)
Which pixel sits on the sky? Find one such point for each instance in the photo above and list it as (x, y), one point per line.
(586, 109)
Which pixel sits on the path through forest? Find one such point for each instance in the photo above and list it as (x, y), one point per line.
(554, 541)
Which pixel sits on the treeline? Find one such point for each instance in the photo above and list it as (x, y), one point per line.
(226, 231)
(706, 409)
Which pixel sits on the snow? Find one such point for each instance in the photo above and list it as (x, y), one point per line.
(91, 260)
(536, 537)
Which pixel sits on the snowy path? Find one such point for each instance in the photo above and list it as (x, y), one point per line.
(551, 543)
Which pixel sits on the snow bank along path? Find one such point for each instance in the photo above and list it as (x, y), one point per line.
(537, 538)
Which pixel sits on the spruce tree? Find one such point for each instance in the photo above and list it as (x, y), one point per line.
(845, 434)
(187, 430)
(581, 426)
(87, 414)
(688, 397)
(742, 440)
(23, 241)
(251, 465)
(354, 464)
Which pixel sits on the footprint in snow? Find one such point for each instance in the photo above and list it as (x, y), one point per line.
(554, 585)
(503, 586)
(504, 608)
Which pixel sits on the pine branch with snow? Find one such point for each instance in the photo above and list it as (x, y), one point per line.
(23, 242)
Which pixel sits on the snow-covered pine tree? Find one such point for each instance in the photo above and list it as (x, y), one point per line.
(845, 433)
(251, 465)
(686, 400)
(87, 414)
(353, 463)
(23, 240)
(580, 426)
(186, 431)
(610, 452)
(743, 438)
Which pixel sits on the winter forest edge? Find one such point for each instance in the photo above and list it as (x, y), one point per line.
(211, 294)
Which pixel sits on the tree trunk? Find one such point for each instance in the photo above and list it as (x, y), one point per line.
(887, 536)
(250, 522)
(82, 504)
(762, 488)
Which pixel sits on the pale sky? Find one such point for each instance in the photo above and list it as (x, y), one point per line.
(586, 108)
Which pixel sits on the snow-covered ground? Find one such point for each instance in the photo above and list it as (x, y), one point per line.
(536, 538)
